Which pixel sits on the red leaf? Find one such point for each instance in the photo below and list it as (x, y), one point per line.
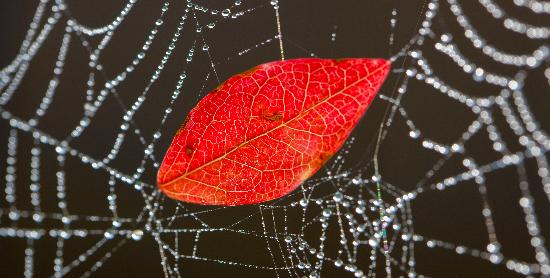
(263, 132)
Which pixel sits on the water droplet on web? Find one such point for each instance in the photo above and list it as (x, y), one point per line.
(495, 258)
(226, 12)
(479, 75)
(137, 235)
(211, 25)
(64, 234)
(338, 263)
(338, 196)
(351, 267)
(396, 227)
(493, 248)
(14, 215)
(205, 47)
(159, 22)
(373, 242)
(65, 220)
(109, 235)
(414, 133)
(303, 202)
(38, 217)
(513, 85)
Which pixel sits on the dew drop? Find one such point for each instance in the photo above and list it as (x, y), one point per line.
(338, 196)
(109, 235)
(65, 220)
(373, 243)
(338, 263)
(414, 133)
(38, 217)
(137, 235)
(14, 215)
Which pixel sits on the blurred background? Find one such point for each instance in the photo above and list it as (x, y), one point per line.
(99, 213)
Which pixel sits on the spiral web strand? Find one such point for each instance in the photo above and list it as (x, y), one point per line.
(370, 214)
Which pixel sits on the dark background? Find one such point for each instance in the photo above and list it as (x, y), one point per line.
(362, 29)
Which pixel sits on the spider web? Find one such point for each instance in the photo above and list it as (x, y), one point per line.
(354, 218)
